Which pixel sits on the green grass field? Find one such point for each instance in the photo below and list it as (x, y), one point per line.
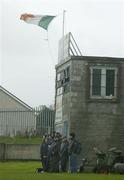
(20, 140)
(26, 171)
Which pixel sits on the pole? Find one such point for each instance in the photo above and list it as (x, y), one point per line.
(63, 29)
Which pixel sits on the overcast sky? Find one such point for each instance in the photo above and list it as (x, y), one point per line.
(27, 62)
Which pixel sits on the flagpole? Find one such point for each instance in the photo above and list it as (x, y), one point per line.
(63, 32)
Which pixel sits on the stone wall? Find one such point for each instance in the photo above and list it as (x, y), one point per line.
(97, 123)
(2, 151)
(19, 152)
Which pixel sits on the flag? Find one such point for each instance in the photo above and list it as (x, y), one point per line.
(40, 20)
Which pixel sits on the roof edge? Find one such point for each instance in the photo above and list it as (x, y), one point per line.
(15, 98)
(88, 58)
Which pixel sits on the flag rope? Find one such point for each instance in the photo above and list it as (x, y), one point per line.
(50, 51)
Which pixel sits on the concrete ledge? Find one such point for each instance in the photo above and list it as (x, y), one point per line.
(19, 152)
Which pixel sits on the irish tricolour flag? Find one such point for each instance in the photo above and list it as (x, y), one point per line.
(40, 20)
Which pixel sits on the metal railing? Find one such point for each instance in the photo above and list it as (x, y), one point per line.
(33, 122)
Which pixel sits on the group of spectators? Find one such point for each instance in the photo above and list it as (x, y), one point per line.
(59, 154)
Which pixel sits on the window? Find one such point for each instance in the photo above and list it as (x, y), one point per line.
(63, 79)
(59, 91)
(103, 82)
(96, 82)
(58, 77)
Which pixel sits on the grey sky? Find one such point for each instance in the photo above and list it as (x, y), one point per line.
(28, 63)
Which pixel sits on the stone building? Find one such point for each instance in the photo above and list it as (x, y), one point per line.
(90, 101)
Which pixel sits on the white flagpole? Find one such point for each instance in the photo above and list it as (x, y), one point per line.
(63, 32)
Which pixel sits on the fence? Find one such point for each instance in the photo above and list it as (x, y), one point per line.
(26, 122)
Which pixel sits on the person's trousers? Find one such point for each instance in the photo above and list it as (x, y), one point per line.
(45, 163)
(73, 163)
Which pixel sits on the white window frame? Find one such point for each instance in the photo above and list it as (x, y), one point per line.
(59, 91)
(103, 82)
(58, 77)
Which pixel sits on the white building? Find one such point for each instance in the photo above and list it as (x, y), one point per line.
(16, 117)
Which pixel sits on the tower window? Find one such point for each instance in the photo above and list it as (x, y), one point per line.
(103, 82)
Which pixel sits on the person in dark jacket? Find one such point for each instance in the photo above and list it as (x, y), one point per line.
(63, 155)
(72, 154)
(51, 147)
(54, 155)
(44, 154)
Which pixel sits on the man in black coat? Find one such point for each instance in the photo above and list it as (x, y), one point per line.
(54, 155)
(64, 155)
(44, 154)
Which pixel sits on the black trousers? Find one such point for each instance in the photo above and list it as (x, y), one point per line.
(45, 165)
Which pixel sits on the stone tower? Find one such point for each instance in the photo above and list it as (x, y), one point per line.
(90, 101)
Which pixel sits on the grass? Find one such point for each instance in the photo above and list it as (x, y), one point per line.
(26, 171)
(20, 140)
